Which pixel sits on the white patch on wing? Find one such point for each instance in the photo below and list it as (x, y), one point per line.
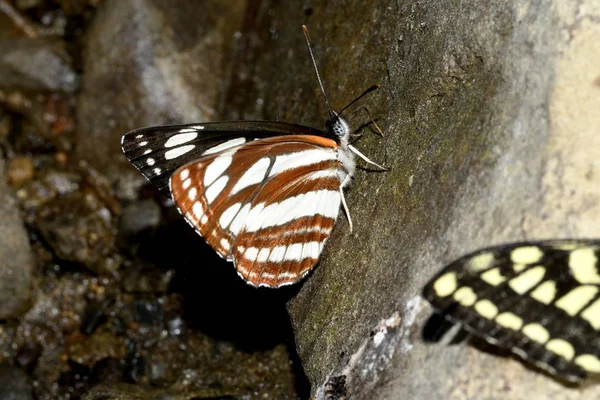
(324, 173)
(225, 145)
(216, 168)
(253, 175)
(294, 252)
(179, 151)
(238, 222)
(277, 254)
(150, 161)
(198, 210)
(254, 213)
(213, 191)
(263, 254)
(251, 253)
(323, 202)
(297, 159)
(225, 245)
(228, 215)
(181, 138)
(311, 250)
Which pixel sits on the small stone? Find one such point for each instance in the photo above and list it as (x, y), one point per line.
(20, 171)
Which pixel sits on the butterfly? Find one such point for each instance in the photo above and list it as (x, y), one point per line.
(264, 195)
(540, 300)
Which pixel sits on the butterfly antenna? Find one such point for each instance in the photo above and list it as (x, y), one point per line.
(312, 56)
(369, 90)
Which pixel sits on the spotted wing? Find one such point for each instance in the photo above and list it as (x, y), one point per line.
(159, 151)
(268, 205)
(540, 300)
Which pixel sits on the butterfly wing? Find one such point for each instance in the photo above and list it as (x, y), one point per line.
(541, 300)
(268, 205)
(157, 152)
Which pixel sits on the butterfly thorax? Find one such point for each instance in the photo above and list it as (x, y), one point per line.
(339, 129)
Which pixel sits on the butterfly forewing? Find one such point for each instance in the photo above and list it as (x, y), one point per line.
(541, 300)
(267, 205)
(158, 151)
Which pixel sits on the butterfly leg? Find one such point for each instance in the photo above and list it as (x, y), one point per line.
(346, 210)
(361, 155)
(370, 118)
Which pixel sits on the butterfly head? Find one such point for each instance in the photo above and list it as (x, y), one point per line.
(337, 127)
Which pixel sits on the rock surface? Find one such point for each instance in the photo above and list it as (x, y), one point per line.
(491, 122)
(15, 255)
(39, 64)
(149, 63)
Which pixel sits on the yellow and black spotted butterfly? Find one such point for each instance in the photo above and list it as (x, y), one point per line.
(541, 300)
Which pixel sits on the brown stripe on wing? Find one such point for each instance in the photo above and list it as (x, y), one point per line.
(317, 141)
(283, 254)
(204, 217)
(298, 181)
(270, 274)
(317, 229)
(306, 229)
(271, 189)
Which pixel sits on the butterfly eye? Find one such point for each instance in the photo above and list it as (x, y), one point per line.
(337, 126)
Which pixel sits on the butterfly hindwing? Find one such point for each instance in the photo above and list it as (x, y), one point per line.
(157, 152)
(540, 300)
(268, 205)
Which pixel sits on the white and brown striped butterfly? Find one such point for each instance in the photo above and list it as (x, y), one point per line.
(264, 195)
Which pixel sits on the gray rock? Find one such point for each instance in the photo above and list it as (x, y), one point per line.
(491, 124)
(14, 384)
(79, 229)
(40, 64)
(15, 256)
(148, 62)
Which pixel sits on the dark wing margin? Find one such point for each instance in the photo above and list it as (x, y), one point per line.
(541, 300)
(159, 151)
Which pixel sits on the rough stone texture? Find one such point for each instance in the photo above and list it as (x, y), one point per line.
(149, 63)
(40, 64)
(15, 255)
(491, 120)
